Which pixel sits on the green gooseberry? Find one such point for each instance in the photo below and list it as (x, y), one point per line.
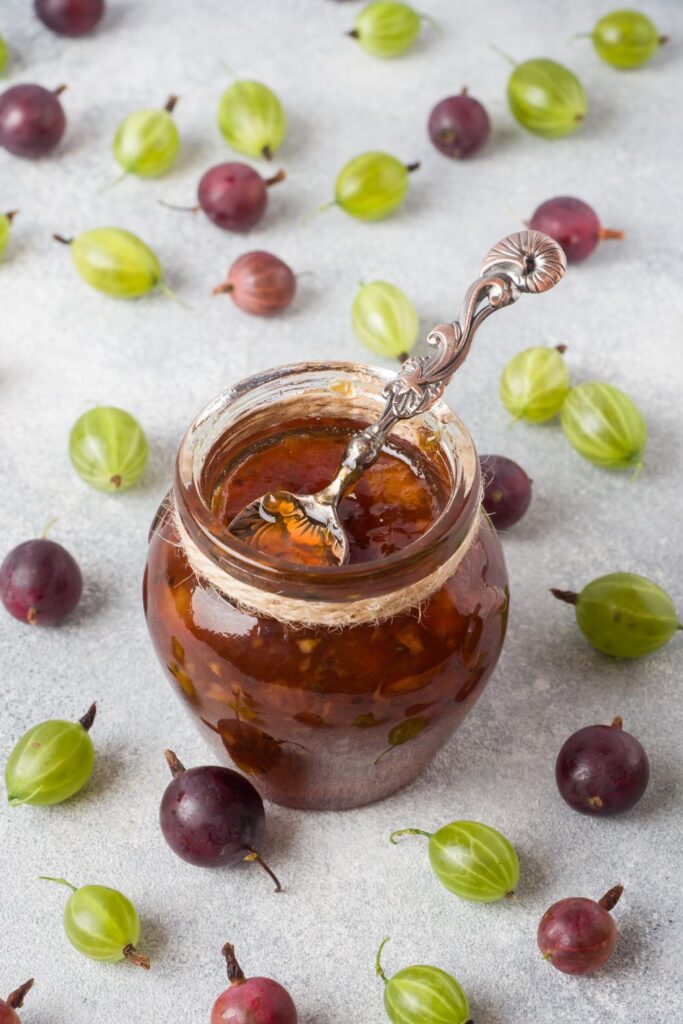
(626, 39)
(116, 262)
(604, 426)
(386, 28)
(385, 320)
(251, 119)
(472, 860)
(102, 923)
(624, 615)
(108, 448)
(546, 98)
(6, 228)
(535, 383)
(372, 185)
(147, 142)
(4, 56)
(422, 995)
(51, 762)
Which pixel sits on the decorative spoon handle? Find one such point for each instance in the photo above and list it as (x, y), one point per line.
(527, 261)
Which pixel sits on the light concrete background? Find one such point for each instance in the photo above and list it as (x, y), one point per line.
(64, 346)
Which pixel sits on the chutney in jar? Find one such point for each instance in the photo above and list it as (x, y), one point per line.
(327, 716)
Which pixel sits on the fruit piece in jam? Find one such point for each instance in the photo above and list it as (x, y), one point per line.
(324, 717)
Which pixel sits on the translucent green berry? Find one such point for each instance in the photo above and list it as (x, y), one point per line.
(372, 185)
(535, 383)
(102, 923)
(6, 229)
(386, 28)
(472, 860)
(385, 320)
(422, 995)
(116, 262)
(546, 98)
(624, 615)
(626, 39)
(251, 119)
(147, 142)
(4, 56)
(604, 426)
(108, 448)
(51, 762)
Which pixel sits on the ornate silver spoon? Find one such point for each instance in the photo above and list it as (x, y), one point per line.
(305, 528)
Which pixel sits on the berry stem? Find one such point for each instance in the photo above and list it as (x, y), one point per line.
(235, 972)
(413, 167)
(171, 104)
(618, 723)
(62, 239)
(611, 897)
(267, 152)
(379, 970)
(663, 40)
(115, 481)
(59, 881)
(48, 526)
(605, 233)
(223, 289)
(503, 54)
(11, 214)
(88, 717)
(139, 959)
(568, 596)
(16, 998)
(59, 90)
(176, 766)
(279, 176)
(408, 832)
(180, 209)
(561, 349)
(353, 34)
(255, 858)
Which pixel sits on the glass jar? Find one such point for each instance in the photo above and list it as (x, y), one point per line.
(325, 716)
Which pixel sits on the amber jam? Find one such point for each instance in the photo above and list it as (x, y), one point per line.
(319, 716)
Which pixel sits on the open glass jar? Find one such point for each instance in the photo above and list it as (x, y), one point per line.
(332, 686)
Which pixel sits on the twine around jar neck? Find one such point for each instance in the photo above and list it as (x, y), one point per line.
(302, 613)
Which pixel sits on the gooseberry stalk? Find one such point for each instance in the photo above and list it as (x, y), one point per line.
(15, 1001)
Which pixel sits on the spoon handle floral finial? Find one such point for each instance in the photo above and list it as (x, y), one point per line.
(527, 261)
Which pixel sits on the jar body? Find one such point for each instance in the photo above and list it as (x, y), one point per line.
(323, 717)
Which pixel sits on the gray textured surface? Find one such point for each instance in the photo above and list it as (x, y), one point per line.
(64, 346)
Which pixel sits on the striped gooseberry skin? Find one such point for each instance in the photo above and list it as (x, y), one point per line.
(101, 923)
(422, 994)
(108, 448)
(372, 185)
(534, 384)
(260, 284)
(474, 861)
(623, 614)
(386, 28)
(604, 426)
(546, 98)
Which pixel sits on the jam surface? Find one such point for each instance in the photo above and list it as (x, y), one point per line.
(322, 717)
(395, 501)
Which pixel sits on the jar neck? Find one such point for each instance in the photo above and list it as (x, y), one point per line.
(349, 391)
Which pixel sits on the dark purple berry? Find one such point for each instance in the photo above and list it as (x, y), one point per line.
(507, 490)
(70, 17)
(572, 223)
(32, 120)
(234, 196)
(459, 126)
(602, 770)
(212, 816)
(40, 582)
(578, 935)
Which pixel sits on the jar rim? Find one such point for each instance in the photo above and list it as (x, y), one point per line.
(332, 583)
